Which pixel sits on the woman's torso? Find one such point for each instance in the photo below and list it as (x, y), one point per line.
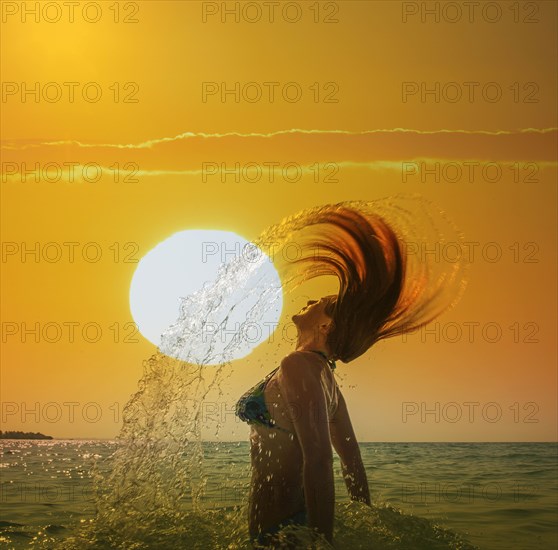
(276, 453)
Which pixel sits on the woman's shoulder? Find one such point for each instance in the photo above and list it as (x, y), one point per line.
(302, 355)
(307, 372)
(308, 361)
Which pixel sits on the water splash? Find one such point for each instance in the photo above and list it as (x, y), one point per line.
(152, 494)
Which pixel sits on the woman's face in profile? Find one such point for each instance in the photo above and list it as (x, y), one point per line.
(315, 312)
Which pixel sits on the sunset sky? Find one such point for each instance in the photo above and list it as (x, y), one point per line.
(382, 96)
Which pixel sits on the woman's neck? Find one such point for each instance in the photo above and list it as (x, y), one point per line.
(307, 342)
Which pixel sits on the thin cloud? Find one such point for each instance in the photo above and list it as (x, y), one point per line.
(188, 151)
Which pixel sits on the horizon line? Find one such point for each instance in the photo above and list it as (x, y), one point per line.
(247, 441)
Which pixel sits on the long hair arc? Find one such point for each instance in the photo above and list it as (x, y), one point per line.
(388, 284)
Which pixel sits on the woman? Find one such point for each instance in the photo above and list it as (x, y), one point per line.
(292, 479)
(298, 411)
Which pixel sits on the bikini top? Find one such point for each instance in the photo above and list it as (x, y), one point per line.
(251, 407)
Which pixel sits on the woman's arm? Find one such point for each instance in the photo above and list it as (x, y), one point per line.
(300, 382)
(346, 446)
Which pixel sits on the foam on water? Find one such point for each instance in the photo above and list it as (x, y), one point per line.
(356, 527)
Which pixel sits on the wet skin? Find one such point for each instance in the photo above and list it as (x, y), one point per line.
(277, 458)
(304, 399)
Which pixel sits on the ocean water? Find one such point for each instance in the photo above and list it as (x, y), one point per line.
(491, 496)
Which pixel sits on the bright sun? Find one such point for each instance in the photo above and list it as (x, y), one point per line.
(178, 267)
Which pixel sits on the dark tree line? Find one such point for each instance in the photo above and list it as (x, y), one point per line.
(23, 435)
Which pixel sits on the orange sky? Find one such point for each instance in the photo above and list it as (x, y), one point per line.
(364, 60)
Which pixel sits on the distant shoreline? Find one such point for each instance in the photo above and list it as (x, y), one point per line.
(23, 435)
